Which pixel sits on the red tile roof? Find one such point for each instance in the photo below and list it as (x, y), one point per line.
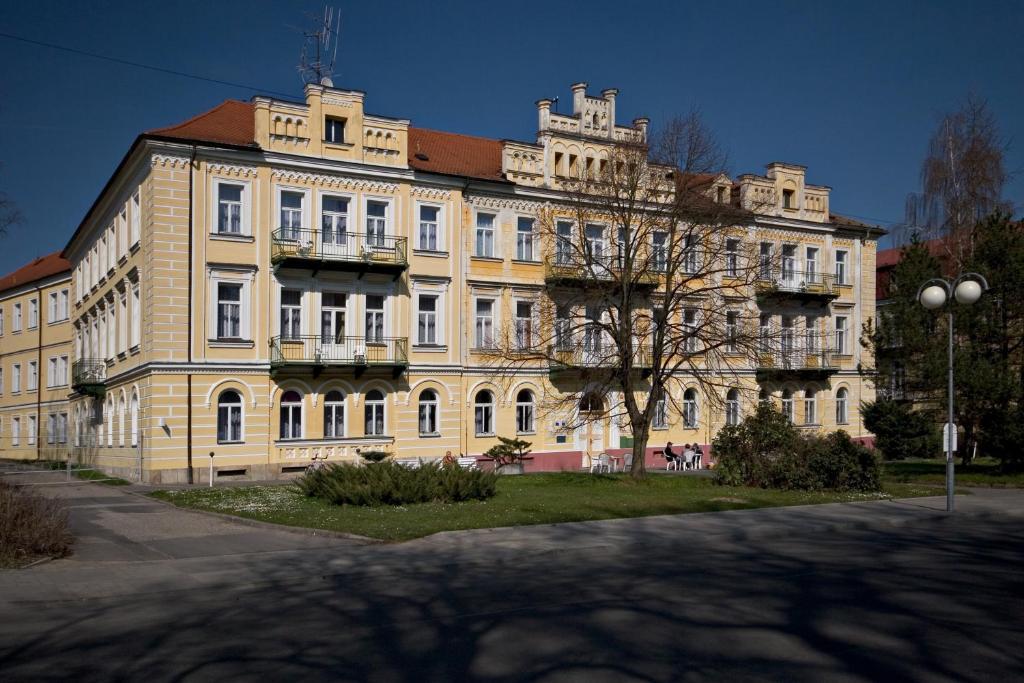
(231, 122)
(42, 267)
(455, 154)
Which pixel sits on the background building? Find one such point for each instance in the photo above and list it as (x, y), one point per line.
(35, 357)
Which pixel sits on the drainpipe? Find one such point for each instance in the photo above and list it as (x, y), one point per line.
(39, 370)
(463, 344)
(188, 374)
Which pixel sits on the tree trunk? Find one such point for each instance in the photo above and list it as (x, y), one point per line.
(639, 467)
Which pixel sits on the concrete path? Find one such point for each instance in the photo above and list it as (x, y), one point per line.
(860, 592)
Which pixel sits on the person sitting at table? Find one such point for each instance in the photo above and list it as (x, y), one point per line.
(688, 456)
(670, 457)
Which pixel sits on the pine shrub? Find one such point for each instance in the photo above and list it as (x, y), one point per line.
(388, 483)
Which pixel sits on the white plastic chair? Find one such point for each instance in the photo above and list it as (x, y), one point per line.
(602, 463)
(468, 463)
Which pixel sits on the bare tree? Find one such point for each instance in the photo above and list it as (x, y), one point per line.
(962, 178)
(9, 214)
(647, 288)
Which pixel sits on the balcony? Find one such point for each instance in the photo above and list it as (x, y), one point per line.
(348, 251)
(795, 364)
(779, 285)
(318, 353)
(579, 359)
(89, 376)
(573, 270)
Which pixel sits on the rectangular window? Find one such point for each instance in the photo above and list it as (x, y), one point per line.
(136, 219)
(659, 251)
(524, 239)
(33, 313)
(229, 310)
(332, 317)
(31, 430)
(51, 315)
(51, 427)
(811, 266)
(563, 328)
(16, 431)
(841, 267)
(111, 248)
(690, 256)
(229, 209)
(660, 417)
(842, 345)
(427, 322)
(484, 323)
(291, 314)
(1, 321)
(811, 334)
(334, 226)
(732, 258)
(334, 130)
(485, 234)
(788, 199)
(524, 325)
(1, 381)
(136, 318)
(51, 373)
(789, 278)
(291, 215)
(764, 335)
(731, 330)
(690, 330)
(429, 227)
(62, 372)
(376, 223)
(122, 329)
(374, 318)
(122, 230)
(33, 376)
(563, 243)
(112, 333)
(810, 409)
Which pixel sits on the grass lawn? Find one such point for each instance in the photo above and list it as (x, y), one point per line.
(981, 472)
(521, 500)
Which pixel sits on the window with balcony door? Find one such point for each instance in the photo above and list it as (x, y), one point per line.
(841, 257)
(291, 313)
(291, 215)
(811, 265)
(376, 223)
(732, 258)
(659, 251)
(374, 318)
(332, 317)
(334, 225)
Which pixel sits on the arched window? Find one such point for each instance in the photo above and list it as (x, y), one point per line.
(428, 413)
(841, 410)
(591, 403)
(484, 413)
(334, 415)
(524, 412)
(121, 407)
(690, 414)
(229, 417)
(762, 396)
(810, 407)
(732, 407)
(291, 415)
(374, 413)
(110, 422)
(133, 413)
(787, 404)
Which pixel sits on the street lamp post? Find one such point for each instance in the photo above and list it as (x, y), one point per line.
(934, 294)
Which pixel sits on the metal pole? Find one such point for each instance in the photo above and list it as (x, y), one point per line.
(951, 427)
(211, 469)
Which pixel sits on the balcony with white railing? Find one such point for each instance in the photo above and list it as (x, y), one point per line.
(594, 271)
(338, 250)
(794, 362)
(319, 352)
(776, 285)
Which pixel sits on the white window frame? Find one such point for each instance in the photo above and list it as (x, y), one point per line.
(691, 409)
(33, 314)
(842, 406)
(389, 219)
(122, 231)
(478, 341)
(305, 214)
(245, 222)
(732, 408)
(351, 231)
(383, 404)
(16, 318)
(428, 405)
(841, 274)
(385, 310)
(435, 314)
(240, 408)
(122, 330)
(439, 240)
(51, 372)
(1, 321)
(842, 333)
(136, 315)
(810, 407)
(112, 247)
(332, 409)
(302, 416)
(789, 406)
(136, 219)
(526, 412)
(732, 257)
(280, 310)
(242, 277)
(486, 410)
(31, 440)
(16, 430)
(659, 420)
(532, 323)
(32, 376)
(480, 240)
(220, 304)
(51, 307)
(526, 249)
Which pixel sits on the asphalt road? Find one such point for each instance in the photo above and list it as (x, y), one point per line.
(868, 592)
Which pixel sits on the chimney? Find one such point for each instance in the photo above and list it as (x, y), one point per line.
(579, 91)
(641, 125)
(609, 95)
(543, 114)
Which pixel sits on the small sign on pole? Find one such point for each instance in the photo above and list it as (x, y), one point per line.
(948, 437)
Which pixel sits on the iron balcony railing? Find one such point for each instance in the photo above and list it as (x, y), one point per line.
(790, 280)
(796, 359)
(88, 372)
(597, 269)
(358, 248)
(328, 350)
(580, 356)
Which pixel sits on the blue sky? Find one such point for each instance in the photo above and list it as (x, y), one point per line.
(851, 90)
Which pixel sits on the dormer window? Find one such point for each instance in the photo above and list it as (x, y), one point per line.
(788, 199)
(720, 195)
(334, 130)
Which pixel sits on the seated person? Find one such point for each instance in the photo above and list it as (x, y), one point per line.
(689, 456)
(670, 456)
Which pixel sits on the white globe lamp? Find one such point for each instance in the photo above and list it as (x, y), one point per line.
(934, 297)
(967, 292)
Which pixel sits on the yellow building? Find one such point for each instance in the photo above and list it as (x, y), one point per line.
(35, 357)
(274, 282)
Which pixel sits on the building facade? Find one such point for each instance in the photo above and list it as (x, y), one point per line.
(35, 360)
(274, 282)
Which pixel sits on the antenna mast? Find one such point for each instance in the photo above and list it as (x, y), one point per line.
(320, 48)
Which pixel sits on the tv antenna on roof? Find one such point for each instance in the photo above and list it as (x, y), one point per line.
(320, 48)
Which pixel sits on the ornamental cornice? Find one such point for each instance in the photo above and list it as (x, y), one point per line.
(169, 161)
(236, 170)
(431, 193)
(514, 203)
(334, 181)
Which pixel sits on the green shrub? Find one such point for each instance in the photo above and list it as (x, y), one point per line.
(374, 456)
(766, 451)
(388, 483)
(31, 526)
(900, 432)
(508, 451)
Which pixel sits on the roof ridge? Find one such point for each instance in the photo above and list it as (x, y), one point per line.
(198, 116)
(461, 135)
